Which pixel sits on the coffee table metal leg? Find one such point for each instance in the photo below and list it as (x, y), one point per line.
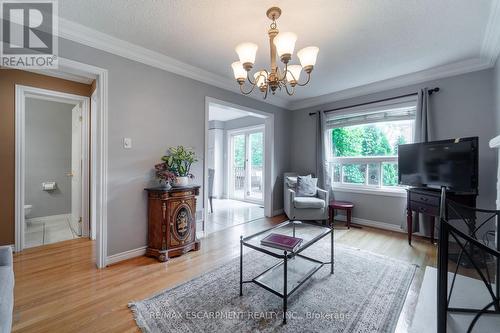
(241, 265)
(285, 292)
(331, 249)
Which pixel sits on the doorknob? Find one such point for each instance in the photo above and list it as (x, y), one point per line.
(69, 174)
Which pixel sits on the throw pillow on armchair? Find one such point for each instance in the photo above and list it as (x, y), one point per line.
(306, 186)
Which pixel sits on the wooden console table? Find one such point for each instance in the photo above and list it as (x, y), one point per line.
(172, 221)
(426, 201)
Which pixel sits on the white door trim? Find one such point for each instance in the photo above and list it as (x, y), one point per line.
(268, 152)
(98, 145)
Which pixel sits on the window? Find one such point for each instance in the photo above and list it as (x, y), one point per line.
(363, 145)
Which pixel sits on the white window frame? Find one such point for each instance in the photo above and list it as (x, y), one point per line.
(396, 191)
(366, 188)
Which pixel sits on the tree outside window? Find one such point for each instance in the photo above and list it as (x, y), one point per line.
(379, 139)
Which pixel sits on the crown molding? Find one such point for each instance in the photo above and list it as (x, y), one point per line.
(98, 40)
(490, 49)
(457, 68)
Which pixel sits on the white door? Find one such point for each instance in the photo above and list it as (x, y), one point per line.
(76, 169)
(247, 165)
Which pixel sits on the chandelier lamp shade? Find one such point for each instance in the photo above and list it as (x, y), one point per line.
(282, 45)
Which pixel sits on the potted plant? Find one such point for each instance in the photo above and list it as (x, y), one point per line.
(179, 161)
(164, 176)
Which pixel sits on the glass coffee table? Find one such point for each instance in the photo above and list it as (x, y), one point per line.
(293, 268)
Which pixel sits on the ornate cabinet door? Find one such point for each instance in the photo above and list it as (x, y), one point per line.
(182, 222)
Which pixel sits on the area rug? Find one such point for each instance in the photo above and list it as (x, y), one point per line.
(365, 294)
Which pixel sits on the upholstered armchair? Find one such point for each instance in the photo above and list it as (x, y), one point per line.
(304, 208)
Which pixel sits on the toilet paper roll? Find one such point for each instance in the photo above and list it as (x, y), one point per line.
(48, 186)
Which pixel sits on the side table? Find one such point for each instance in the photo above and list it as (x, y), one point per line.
(341, 205)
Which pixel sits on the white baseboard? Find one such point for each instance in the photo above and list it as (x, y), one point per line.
(113, 259)
(370, 223)
(48, 218)
(278, 212)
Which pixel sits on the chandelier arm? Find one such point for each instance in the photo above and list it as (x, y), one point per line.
(284, 73)
(250, 80)
(248, 92)
(293, 77)
(288, 92)
(308, 79)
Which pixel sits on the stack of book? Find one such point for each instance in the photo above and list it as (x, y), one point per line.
(282, 242)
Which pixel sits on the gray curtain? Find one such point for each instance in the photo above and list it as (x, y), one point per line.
(422, 123)
(322, 170)
(423, 132)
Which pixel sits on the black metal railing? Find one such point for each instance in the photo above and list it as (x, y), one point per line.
(469, 246)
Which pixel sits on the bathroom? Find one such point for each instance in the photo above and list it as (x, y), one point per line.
(53, 180)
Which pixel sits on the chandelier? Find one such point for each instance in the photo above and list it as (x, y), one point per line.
(282, 45)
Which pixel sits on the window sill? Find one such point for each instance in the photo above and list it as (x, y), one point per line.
(388, 192)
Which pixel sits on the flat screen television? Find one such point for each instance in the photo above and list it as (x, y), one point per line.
(450, 163)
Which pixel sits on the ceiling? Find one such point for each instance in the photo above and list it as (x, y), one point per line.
(361, 42)
(225, 113)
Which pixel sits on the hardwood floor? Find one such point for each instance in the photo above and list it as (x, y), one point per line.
(58, 288)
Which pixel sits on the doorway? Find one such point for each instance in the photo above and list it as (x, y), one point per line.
(246, 164)
(56, 159)
(238, 166)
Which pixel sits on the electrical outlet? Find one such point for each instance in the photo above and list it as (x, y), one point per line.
(127, 143)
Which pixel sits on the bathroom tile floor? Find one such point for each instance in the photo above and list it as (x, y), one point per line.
(46, 231)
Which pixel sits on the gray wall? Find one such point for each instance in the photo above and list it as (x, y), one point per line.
(464, 107)
(157, 109)
(48, 156)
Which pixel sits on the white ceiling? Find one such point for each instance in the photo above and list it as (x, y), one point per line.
(225, 113)
(361, 42)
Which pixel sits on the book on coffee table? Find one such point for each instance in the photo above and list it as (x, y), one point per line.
(282, 242)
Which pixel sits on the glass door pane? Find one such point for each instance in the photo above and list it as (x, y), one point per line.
(255, 164)
(238, 172)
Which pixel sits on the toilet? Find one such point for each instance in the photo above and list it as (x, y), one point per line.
(27, 210)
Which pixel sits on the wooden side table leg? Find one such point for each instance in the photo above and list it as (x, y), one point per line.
(349, 211)
(409, 224)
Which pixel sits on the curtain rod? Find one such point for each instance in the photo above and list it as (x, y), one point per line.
(430, 91)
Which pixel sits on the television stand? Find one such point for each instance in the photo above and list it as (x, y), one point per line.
(426, 201)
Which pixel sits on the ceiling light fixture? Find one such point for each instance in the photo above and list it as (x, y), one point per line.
(282, 45)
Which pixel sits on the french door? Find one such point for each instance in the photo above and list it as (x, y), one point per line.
(246, 164)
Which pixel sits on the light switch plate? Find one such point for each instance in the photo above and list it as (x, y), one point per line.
(127, 143)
